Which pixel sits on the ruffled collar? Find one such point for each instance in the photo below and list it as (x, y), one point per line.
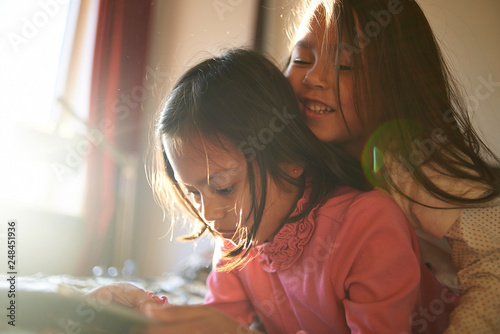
(289, 242)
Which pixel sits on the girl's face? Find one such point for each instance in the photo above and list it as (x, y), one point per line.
(216, 178)
(312, 74)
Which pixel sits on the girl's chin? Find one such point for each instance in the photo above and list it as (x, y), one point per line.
(227, 235)
(326, 135)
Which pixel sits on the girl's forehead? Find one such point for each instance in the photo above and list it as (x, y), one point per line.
(198, 162)
(197, 148)
(319, 32)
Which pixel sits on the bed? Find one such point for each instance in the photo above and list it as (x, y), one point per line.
(57, 304)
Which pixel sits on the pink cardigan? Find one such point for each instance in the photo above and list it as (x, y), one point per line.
(351, 266)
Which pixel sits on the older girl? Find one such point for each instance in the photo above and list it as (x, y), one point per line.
(369, 76)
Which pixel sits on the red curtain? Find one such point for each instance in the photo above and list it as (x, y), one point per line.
(117, 94)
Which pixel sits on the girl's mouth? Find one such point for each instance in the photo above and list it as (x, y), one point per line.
(317, 107)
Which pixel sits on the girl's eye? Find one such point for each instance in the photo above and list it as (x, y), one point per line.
(300, 61)
(193, 192)
(225, 191)
(344, 68)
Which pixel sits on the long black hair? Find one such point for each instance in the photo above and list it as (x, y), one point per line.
(232, 98)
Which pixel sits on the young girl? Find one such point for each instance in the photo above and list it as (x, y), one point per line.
(369, 77)
(298, 248)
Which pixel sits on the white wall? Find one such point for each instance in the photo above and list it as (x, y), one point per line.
(469, 34)
(188, 31)
(281, 18)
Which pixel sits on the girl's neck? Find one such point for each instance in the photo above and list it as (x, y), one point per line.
(354, 148)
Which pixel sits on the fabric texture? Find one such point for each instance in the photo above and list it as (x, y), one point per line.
(471, 263)
(351, 266)
(475, 244)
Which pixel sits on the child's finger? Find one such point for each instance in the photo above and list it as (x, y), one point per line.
(123, 293)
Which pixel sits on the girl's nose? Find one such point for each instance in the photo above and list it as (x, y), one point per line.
(212, 209)
(320, 75)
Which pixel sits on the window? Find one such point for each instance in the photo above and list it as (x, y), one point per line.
(41, 65)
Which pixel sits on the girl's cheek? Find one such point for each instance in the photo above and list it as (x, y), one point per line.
(294, 81)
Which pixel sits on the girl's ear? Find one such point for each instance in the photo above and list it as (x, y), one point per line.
(293, 170)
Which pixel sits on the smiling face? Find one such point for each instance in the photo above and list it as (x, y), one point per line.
(313, 77)
(216, 179)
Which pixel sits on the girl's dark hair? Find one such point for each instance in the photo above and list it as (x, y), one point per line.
(233, 98)
(405, 94)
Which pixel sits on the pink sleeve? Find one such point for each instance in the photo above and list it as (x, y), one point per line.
(383, 283)
(226, 293)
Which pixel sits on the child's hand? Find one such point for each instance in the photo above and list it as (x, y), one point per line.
(193, 319)
(126, 294)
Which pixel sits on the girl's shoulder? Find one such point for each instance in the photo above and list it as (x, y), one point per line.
(345, 199)
(351, 211)
(346, 214)
(351, 218)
